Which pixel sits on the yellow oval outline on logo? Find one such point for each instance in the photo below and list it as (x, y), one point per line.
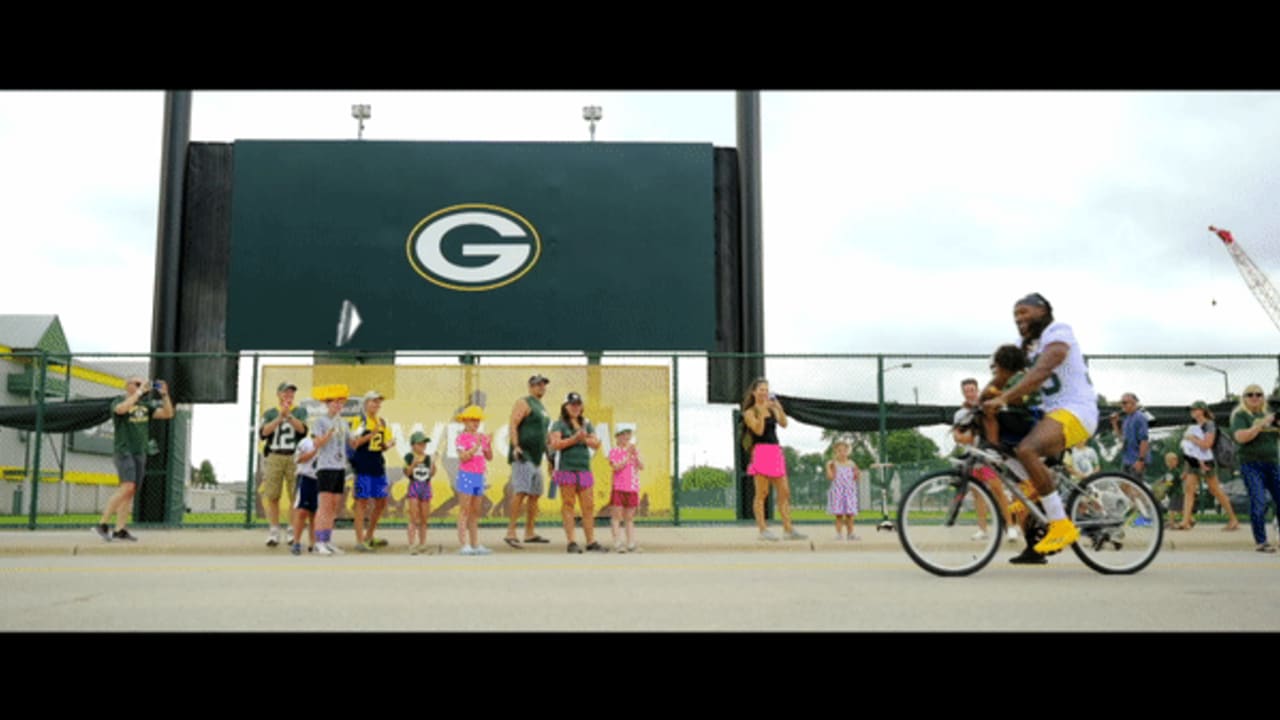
(537, 245)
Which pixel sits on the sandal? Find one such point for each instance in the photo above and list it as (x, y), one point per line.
(536, 539)
(1231, 528)
(513, 543)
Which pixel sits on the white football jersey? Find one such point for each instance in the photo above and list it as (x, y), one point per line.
(1069, 387)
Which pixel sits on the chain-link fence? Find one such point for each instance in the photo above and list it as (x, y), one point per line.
(205, 466)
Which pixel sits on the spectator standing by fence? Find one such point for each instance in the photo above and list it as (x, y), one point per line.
(132, 414)
(370, 437)
(1254, 428)
(1198, 464)
(625, 461)
(330, 437)
(573, 437)
(842, 496)
(527, 436)
(1131, 425)
(282, 428)
(762, 415)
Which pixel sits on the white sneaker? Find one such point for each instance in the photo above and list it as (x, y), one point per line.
(466, 550)
(481, 550)
(289, 540)
(334, 549)
(273, 538)
(322, 549)
(769, 535)
(1011, 534)
(633, 548)
(980, 535)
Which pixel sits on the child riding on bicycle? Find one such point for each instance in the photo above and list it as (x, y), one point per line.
(1006, 428)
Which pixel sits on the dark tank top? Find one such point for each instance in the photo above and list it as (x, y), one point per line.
(770, 434)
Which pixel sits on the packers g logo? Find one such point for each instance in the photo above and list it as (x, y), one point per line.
(508, 261)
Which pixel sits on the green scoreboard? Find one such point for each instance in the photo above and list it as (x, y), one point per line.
(377, 246)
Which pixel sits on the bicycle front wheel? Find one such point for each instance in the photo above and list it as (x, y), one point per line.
(949, 526)
(1121, 525)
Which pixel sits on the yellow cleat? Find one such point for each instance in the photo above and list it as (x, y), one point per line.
(1061, 534)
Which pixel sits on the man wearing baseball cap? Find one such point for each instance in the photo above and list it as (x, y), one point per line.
(528, 443)
(370, 437)
(282, 428)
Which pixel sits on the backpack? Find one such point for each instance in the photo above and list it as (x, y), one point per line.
(1224, 448)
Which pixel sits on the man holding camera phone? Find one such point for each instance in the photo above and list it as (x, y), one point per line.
(132, 416)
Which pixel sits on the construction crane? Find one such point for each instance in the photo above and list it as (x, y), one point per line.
(1262, 288)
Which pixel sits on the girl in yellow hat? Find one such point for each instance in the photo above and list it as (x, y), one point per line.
(474, 448)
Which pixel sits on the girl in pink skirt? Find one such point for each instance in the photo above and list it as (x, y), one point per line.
(842, 498)
(762, 414)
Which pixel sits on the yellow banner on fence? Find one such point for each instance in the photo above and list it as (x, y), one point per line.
(425, 398)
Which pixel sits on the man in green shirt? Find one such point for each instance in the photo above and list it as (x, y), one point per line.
(527, 436)
(1253, 427)
(282, 428)
(132, 415)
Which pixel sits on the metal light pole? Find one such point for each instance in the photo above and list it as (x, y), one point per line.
(1226, 385)
(885, 523)
(361, 113)
(592, 114)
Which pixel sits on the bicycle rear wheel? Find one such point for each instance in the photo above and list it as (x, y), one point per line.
(938, 524)
(1121, 525)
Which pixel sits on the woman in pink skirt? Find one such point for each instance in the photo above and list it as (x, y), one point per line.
(762, 414)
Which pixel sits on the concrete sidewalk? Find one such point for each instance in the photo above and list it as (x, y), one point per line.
(652, 539)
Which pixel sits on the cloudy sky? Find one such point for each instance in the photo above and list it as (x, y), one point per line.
(896, 222)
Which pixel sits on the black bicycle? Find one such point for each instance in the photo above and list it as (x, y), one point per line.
(1121, 523)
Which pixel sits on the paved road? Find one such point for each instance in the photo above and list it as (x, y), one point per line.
(691, 579)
